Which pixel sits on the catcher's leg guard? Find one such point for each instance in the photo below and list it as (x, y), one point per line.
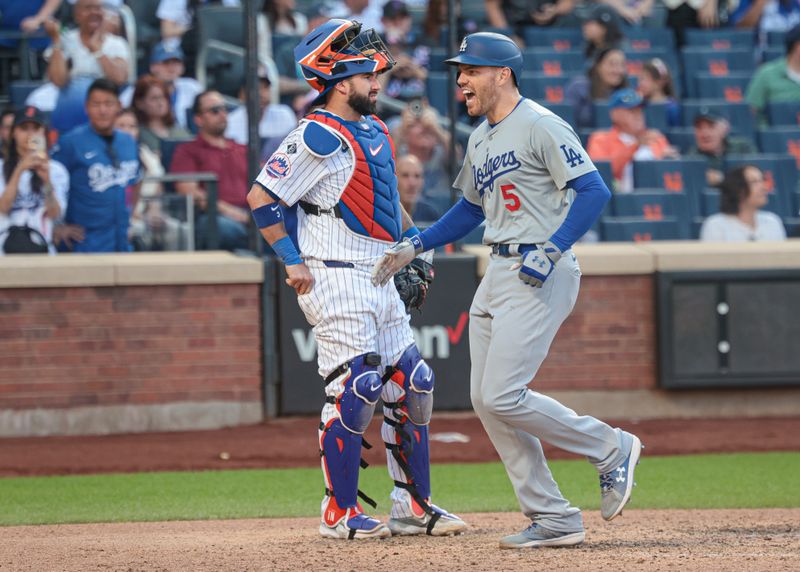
(408, 402)
(352, 391)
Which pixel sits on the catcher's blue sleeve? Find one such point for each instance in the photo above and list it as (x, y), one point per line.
(592, 194)
(454, 224)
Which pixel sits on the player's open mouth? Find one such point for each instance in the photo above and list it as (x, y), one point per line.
(468, 94)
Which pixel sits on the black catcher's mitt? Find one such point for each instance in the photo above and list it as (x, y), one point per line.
(412, 283)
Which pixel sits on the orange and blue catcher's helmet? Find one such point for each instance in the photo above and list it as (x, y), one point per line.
(339, 49)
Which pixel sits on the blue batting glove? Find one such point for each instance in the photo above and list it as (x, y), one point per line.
(538, 264)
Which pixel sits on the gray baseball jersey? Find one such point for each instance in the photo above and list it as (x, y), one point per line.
(518, 170)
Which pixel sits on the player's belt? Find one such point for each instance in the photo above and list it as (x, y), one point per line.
(512, 249)
(316, 210)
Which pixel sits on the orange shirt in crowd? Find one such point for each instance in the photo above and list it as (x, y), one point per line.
(610, 146)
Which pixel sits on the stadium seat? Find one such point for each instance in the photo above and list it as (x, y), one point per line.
(738, 114)
(635, 60)
(19, 91)
(655, 116)
(559, 39)
(780, 173)
(543, 88)
(604, 168)
(681, 137)
(715, 62)
(710, 201)
(221, 23)
(731, 87)
(672, 175)
(148, 26)
(639, 229)
(792, 226)
(564, 110)
(168, 146)
(550, 62)
(784, 113)
(773, 53)
(654, 205)
(776, 38)
(720, 39)
(644, 39)
(781, 140)
(437, 92)
(221, 66)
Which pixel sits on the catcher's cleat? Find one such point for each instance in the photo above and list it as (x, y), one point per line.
(616, 485)
(349, 523)
(536, 536)
(441, 523)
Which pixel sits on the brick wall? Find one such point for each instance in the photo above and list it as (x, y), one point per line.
(609, 341)
(139, 345)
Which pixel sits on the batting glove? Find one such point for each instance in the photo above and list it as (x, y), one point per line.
(394, 259)
(538, 264)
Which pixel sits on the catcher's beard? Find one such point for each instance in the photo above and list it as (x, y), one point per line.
(362, 104)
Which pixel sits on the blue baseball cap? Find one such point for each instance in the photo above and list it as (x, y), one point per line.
(625, 99)
(164, 51)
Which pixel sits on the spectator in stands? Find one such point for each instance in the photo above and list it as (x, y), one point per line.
(436, 18)
(601, 29)
(284, 18)
(88, 51)
(151, 226)
(212, 152)
(713, 143)
(27, 17)
(766, 15)
(607, 74)
(419, 133)
(632, 10)
(6, 123)
(515, 15)
(151, 103)
(368, 12)
(742, 194)
(33, 187)
(178, 26)
(410, 180)
(682, 14)
(166, 63)
(275, 123)
(628, 140)
(778, 80)
(103, 163)
(656, 87)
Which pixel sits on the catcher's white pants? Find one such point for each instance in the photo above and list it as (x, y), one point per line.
(510, 331)
(351, 317)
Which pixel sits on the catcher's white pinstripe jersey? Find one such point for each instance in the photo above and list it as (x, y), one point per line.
(319, 181)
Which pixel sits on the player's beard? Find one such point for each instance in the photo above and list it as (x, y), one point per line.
(362, 104)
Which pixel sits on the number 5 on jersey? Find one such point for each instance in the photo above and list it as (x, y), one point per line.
(512, 200)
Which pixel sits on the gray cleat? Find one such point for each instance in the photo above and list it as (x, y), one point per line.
(536, 535)
(616, 486)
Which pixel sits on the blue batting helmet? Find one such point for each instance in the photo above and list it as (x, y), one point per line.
(490, 49)
(339, 49)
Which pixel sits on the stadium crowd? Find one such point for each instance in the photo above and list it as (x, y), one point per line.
(691, 111)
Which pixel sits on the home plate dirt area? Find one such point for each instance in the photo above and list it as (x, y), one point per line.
(738, 540)
(639, 540)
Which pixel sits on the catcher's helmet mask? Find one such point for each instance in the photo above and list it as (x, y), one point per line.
(340, 49)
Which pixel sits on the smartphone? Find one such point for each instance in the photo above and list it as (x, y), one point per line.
(38, 144)
(416, 108)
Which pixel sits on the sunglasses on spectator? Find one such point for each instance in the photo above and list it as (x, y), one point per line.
(217, 109)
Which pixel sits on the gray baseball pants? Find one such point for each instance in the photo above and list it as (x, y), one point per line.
(510, 331)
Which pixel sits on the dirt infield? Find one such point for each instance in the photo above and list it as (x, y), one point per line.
(292, 442)
(640, 540)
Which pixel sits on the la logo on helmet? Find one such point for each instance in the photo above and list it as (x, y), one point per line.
(463, 47)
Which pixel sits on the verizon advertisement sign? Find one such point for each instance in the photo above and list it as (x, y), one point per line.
(441, 333)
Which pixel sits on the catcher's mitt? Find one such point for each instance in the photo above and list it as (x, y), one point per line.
(412, 282)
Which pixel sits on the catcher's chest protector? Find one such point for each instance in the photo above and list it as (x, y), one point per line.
(370, 203)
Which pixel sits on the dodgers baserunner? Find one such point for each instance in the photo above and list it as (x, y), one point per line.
(338, 164)
(527, 175)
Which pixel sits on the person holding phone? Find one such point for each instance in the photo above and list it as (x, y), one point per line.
(33, 187)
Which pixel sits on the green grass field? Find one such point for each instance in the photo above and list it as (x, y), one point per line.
(703, 481)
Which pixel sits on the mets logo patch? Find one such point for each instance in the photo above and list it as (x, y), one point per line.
(279, 166)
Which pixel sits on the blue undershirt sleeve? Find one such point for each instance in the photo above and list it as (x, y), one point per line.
(591, 196)
(454, 224)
